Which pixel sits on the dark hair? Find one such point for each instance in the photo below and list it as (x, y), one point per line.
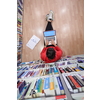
(50, 53)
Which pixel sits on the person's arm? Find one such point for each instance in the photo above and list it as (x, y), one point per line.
(58, 53)
(57, 48)
(43, 53)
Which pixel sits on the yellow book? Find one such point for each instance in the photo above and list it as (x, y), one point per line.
(39, 73)
(52, 92)
(77, 70)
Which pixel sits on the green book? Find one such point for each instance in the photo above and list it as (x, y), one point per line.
(40, 84)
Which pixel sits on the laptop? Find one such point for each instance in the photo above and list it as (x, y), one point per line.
(49, 35)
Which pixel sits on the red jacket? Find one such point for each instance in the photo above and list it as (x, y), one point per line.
(57, 56)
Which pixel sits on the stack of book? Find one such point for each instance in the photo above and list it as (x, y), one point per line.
(75, 84)
(19, 30)
(41, 87)
(32, 65)
(37, 73)
(49, 81)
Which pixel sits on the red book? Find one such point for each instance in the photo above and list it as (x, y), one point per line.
(74, 81)
(61, 70)
(32, 74)
(19, 84)
(60, 96)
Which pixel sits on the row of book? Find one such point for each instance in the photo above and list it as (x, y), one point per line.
(42, 87)
(63, 61)
(62, 69)
(19, 30)
(69, 62)
(20, 4)
(61, 97)
(74, 82)
(41, 72)
(35, 66)
(71, 69)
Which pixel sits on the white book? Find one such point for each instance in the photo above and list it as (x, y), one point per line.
(79, 76)
(56, 86)
(33, 42)
(52, 91)
(79, 79)
(50, 98)
(67, 83)
(47, 86)
(29, 90)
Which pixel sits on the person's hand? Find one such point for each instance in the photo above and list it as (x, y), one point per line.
(47, 42)
(52, 42)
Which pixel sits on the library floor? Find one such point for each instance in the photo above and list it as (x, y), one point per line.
(68, 23)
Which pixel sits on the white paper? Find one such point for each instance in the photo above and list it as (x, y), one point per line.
(32, 42)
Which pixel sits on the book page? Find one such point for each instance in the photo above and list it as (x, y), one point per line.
(33, 42)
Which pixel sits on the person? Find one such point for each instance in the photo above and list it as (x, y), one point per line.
(50, 53)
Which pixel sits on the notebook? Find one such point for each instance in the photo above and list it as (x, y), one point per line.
(33, 42)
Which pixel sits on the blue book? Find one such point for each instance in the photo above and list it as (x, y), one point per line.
(46, 83)
(23, 75)
(31, 62)
(28, 85)
(20, 75)
(20, 88)
(47, 86)
(23, 63)
(60, 85)
(37, 86)
(80, 68)
(55, 70)
(50, 71)
(35, 66)
(20, 94)
(24, 68)
(35, 73)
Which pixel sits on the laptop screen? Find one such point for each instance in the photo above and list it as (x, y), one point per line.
(49, 33)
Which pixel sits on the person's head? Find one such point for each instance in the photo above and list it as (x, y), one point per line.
(50, 53)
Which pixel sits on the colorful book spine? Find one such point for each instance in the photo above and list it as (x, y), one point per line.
(51, 84)
(28, 85)
(79, 79)
(37, 85)
(25, 73)
(82, 86)
(28, 95)
(20, 94)
(75, 90)
(61, 70)
(55, 70)
(47, 86)
(75, 83)
(21, 86)
(60, 85)
(20, 75)
(68, 84)
(56, 86)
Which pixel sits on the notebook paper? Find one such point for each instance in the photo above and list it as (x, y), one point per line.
(33, 42)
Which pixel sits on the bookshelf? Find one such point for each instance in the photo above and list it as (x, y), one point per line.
(19, 30)
(38, 70)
